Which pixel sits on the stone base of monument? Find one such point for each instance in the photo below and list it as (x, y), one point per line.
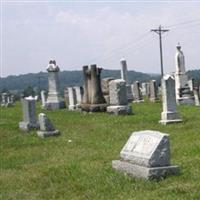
(93, 107)
(186, 101)
(26, 126)
(55, 105)
(145, 172)
(119, 110)
(44, 134)
(169, 118)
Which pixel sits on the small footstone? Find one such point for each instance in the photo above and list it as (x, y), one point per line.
(46, 127)
(146, 155)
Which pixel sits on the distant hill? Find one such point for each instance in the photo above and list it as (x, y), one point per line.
(74, 78)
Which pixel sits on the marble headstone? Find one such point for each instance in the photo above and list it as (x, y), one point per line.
(72, 99)
(137, 95)
(146, 155)
(153, 91)
(46, 128)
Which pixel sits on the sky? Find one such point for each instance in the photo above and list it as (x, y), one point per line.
(78, 33)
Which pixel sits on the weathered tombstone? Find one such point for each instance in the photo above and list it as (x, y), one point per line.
(153, 91)
(124, 76)
(169, 114)
(196, 97)
(29, 115)
(54, 99)
(4, 99)
(79, 96)
(191, 84)
(72, 99)
(46, 128)
(144, 89)
(146, 155)
(184, 94)
(105, 88)
(118, 98)
(93, 99)
(43, 98)
(137, 95)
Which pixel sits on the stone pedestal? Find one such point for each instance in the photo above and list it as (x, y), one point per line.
(54, 99)
(29, 115)
(93, 99)
(118, 98)
(146, 155)
(169, 114)
(46, 127)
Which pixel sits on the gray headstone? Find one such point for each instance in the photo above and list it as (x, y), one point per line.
(137, 95)
(54, 99)
(124, 72)
(118, 98)
(153, 91)
(146, 155)
(29, 115)
(43, 98)
(46, 127)
(196, 97)
(169, 114)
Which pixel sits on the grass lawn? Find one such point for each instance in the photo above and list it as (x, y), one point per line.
(54, 168)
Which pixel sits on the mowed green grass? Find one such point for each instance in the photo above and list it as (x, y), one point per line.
(54, 168)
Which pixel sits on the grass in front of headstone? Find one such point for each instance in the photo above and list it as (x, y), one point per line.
(77, 164)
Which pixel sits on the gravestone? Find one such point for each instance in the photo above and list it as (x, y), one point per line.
(43, 98)
(79, 96)
(146, 155)
(105, 88)
(29, 114)
(118, 98)
(54, 99)
(196, 97)
(169, 114)
(153, 97)
(184, 94)
(72, 99)
(93, 99)
(4, 99)
(137, 95)
(46, 128)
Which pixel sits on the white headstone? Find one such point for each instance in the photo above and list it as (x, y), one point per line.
(169, 114)
(72, 98)
(146, 155)
(43, 98)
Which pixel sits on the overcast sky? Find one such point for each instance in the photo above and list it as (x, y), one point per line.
(80, 33)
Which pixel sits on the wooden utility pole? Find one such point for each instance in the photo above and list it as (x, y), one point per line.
(160, 31)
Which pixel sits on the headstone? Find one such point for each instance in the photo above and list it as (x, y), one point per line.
(72, 99)
(43, 98)
(46, 128)
(29, 115)
(93, 99)
(54, 99)
(105, 88)
(196, 97)
(137, 95)
(4, 99)
(79, 96)
(118, 98)
(191, 84)
(153, 91)
(124, 76)
(146, 155)
(184, 94)
(169, 114)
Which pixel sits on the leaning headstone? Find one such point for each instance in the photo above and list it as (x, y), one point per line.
(118, 98)
(46, 128)
(169, 114)
(153, 91)
(72, 99)
(29, 115)
(196, 97)
(43, 98)
(54, 99)
(93, 99)
(146, 155)
(137, 95)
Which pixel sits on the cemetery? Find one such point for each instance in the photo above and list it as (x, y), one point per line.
(98, 132)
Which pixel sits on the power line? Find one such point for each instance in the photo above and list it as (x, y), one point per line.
(183, 23)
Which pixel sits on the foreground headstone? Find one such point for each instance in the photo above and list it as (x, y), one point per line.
(169, 114)
(118, 98)
(46, 127)
(54, 99)
(29, 115)
(146, 155)
(93, 99)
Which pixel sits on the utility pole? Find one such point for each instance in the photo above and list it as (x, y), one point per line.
(160, 31)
